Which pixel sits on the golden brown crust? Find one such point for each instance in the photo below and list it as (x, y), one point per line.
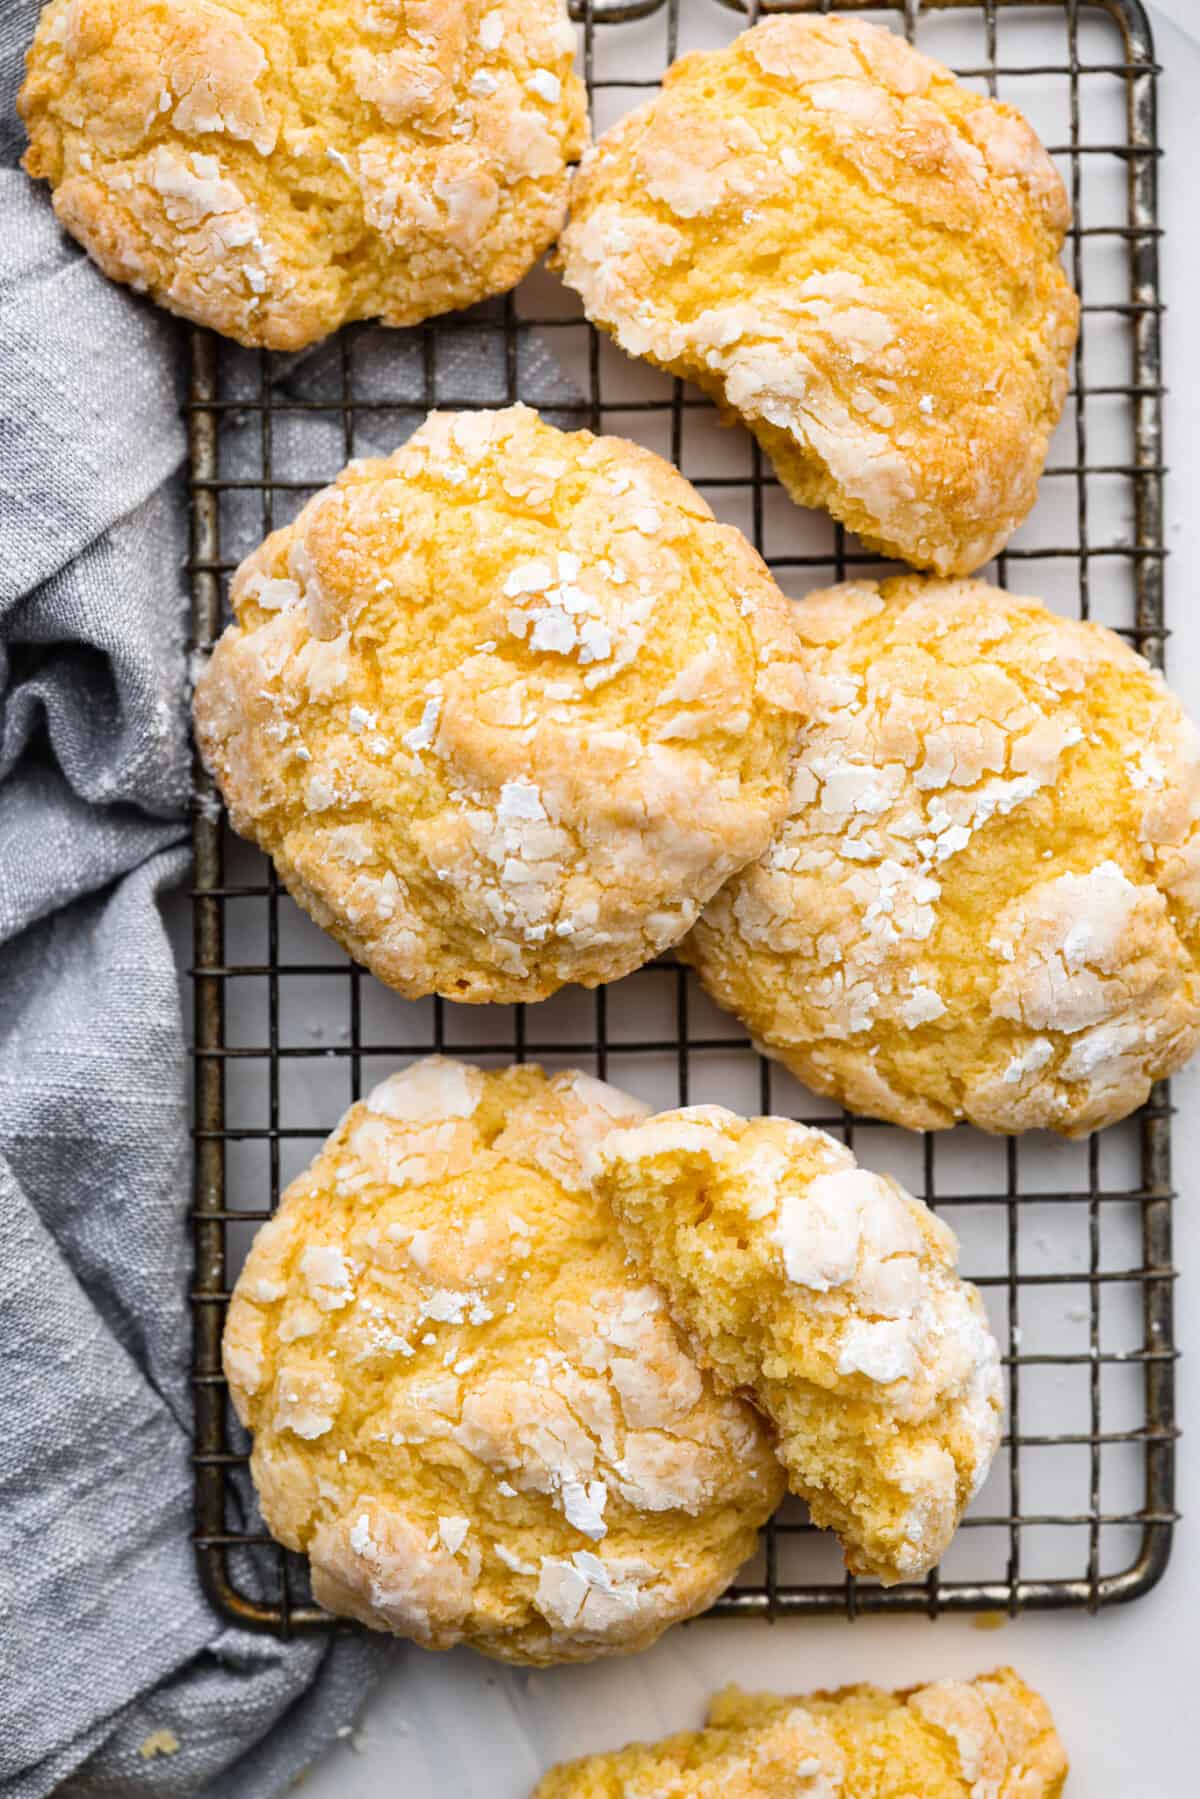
(474, 1419)
(506, 708)
(985, 901)
(856, 256)
(275, 168)
(989, 1738)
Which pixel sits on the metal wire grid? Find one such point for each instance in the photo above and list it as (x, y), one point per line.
(1010, 1553)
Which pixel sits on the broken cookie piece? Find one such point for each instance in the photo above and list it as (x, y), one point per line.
(829, 1296)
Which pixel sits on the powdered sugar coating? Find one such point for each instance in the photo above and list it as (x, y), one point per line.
(474, 1418)
(512, 730)
(901, 347)
(830, 1295)
(984, 901)
(989, 1738)
(276, 170)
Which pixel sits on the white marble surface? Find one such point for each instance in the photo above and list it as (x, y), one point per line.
(1121, 1683)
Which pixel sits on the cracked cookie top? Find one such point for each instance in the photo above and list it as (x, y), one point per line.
(477, 1422)
(988, 1738)
(859, 258)
(276, 170)
(830, 1296)
(506, 708)
(985, 900)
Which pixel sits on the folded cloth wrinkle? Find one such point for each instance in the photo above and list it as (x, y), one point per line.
(117, 1675)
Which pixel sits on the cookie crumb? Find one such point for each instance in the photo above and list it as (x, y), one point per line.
(159, 1742)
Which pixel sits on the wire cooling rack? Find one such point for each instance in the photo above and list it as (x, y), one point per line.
(1070, 1243)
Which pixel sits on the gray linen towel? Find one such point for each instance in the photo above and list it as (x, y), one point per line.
(105, 1635)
